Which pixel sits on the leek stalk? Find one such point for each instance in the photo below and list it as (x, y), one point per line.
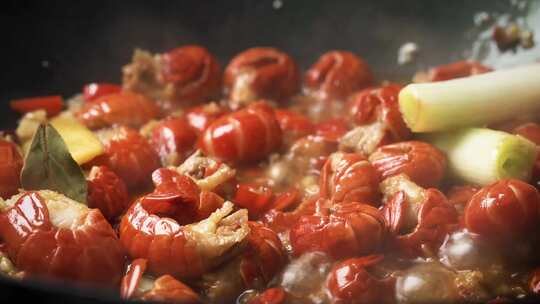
(471, 101)
(482, 156)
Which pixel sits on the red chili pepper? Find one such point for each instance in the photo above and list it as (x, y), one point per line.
(52, 104)
(94, 90)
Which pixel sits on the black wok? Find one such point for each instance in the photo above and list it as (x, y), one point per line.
(55, 47)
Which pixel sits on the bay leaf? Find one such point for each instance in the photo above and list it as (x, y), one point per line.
(49, 166)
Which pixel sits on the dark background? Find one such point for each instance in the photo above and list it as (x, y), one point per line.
(55, 47)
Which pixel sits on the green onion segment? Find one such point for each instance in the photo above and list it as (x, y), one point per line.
(482, 156)
(471, 101)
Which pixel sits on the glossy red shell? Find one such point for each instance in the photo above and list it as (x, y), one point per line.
(246, 135)
(123, 108)
(255, 198)
(349, 177)
(435, 218)
(274, 295)
(349, 229)
(423, 163)
(165, 288)
(380, 105)
(199, 204)
(107, 192)
(94, 90)
(39, 248)
(130, 156)
(504, 210)
(534, 281)
(161, 240)
(194, 73)
(281, 221)
(200, 117)
(314, 150)
(332, 129)
(263, 258)
(152, 227)
(350, 282)
(293, 125)
(130, 281)
(531, 131)
(274, 74)
(168, 289)
(173, 139)
(457, 70)
(286, 200)
(337, 74)
(11, 164)
(460, 195)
